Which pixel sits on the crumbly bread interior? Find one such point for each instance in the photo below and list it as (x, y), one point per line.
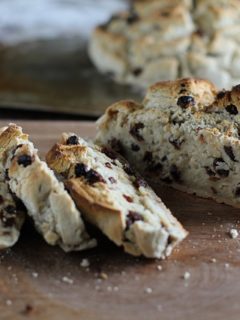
(53, 211)
(115, 198)
(12, 212)
(181, 135)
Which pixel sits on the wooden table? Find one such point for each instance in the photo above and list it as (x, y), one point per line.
(32, 273)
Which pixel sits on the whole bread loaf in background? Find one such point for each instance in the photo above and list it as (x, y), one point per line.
(165, 40)
(185, 134)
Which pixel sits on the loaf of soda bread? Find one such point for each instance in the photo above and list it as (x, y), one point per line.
(186, 133)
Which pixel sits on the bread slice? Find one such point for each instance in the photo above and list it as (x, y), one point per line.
(12, 216)
(48, 203)
(12, 212)
(185, 133)
(115, 198)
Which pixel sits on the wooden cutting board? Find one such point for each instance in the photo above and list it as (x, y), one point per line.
(32, 273)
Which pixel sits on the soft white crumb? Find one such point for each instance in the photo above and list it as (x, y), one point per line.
(159, 267)
(227, 265)
(213, 260)
(8, 302)
(67, 280)
(148, 290)
(35, 274)
(85, 263)
(186, 275)
(233, 233)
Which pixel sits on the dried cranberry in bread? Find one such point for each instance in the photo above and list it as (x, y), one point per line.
(112, 196)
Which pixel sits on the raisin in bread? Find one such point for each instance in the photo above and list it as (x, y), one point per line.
(185, 133)
(165, 40)
(48, 203)
(115, 198)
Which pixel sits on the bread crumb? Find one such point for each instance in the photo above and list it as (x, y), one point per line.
(35, 274)
(85, 263)
(186, 275)
(227, 265)
(8, 302)
(67, 280)
(233, 233)
(148, 290)
(103, 276)
(159, 267)
(213, 260)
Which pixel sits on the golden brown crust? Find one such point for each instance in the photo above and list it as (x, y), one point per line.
(97, 210)
(188, 83)
(124, 106)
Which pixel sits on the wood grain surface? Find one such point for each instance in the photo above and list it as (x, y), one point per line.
(132, 288)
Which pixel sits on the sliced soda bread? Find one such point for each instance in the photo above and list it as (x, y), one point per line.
(185, 133)
(112, 196)
(48, 203)
(12, 212)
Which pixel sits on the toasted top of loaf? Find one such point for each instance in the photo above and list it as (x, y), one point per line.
(168, 92)
(114, 197)
(192, 100)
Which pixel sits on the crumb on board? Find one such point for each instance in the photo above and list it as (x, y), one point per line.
(226, 265)
(110, 289)
(159, 267)
(148, 290)
(213, 260)
(186, 275)
(67, 280)
(85, 263)
(8, 302)
(103, 275)
(35, 274)
(233, 233)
